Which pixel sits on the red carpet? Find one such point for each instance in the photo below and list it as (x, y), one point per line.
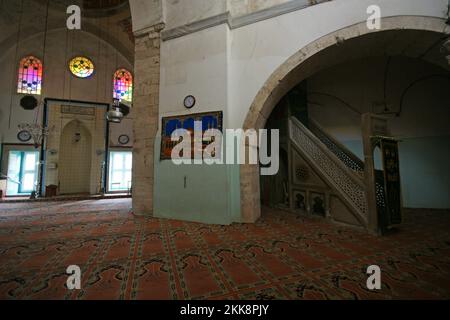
(283, 256)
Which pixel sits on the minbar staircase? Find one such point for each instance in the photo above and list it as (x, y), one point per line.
(360, 188)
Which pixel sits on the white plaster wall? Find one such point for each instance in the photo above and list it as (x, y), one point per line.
(95, 125)
(257, 50)
(195, 64)
(224, 69)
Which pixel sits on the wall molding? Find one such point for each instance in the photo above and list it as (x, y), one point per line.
(272, 12)
(196, 26)
(151, 31)
(239, 21)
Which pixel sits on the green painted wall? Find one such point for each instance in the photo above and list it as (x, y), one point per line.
(211, 195)
(424, 170)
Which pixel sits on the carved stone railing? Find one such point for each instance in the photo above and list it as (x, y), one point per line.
(346, 183)
(346, 156)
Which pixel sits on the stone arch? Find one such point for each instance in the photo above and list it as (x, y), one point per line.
(304, 63)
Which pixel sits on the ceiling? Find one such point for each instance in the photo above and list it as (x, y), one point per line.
(94, 5)
(109, 20)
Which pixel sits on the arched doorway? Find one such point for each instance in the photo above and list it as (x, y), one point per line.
(347, 44)
(75, 159)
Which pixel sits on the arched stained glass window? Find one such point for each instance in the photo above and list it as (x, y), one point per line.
(30, 76)
(123, 85)
(81, 67)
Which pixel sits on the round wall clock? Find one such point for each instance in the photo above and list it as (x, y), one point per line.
(189, 102)
(124, 139)
(24, 136)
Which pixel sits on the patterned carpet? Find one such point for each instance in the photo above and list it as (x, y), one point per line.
(283, 256)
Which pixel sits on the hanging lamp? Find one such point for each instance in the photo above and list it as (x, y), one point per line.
(115, 115)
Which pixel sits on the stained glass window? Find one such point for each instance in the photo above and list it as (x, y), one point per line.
(81, 67)
(123, 85)
(30, 76)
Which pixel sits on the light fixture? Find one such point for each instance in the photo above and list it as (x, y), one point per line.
(115, 115)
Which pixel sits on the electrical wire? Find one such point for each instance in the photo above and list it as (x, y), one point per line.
(43, 61)
(19, 29)
(348, 105)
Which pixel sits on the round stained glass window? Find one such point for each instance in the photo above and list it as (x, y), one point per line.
(81, 67)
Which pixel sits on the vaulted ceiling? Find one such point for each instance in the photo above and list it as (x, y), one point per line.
(103, 4)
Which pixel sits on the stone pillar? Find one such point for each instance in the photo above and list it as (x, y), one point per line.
(250, 194)
(145, 116)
